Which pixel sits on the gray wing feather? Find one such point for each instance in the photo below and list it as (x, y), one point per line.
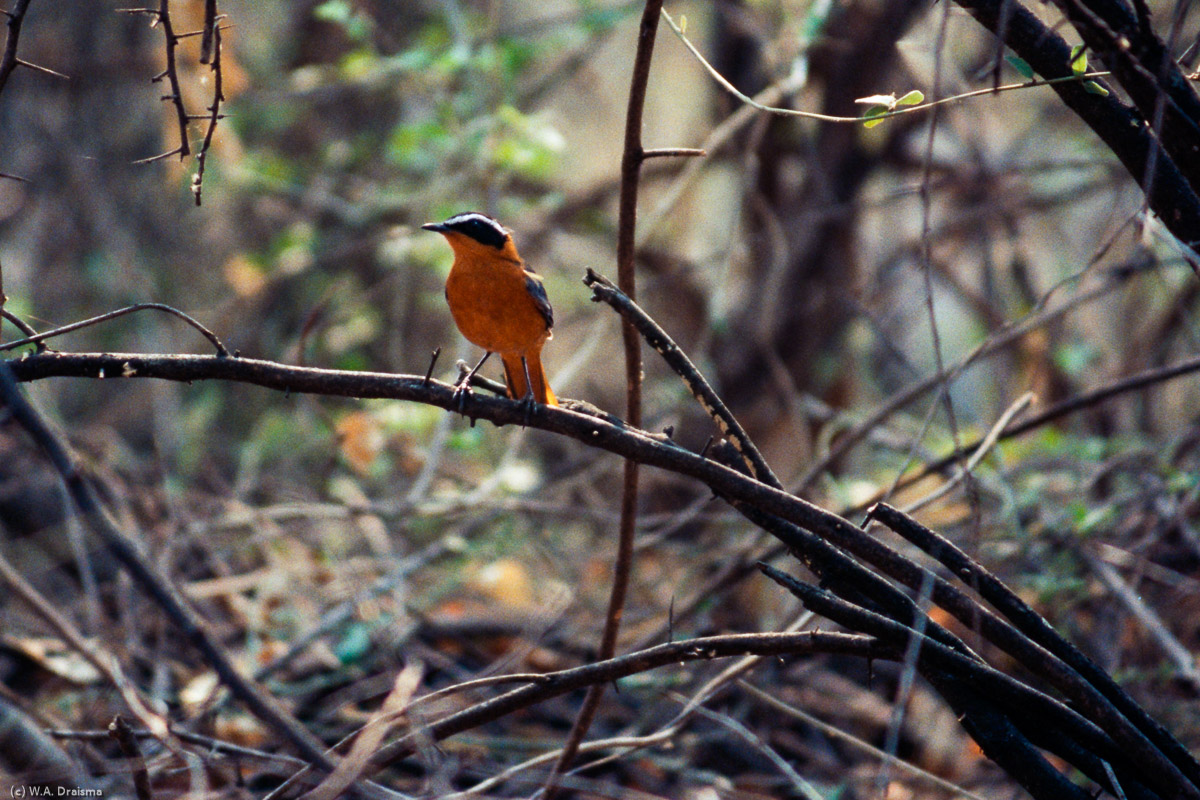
(537, 291)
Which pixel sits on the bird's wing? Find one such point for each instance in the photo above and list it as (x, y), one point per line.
(533, 283)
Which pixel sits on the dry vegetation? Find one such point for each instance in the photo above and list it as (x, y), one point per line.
(870, 302)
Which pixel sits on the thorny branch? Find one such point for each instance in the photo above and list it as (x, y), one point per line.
(604, 290)
(210, 53)
(162, 17)
(9, 61)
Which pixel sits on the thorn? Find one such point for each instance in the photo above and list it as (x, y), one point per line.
(47, 70)
(437, 351)
(669, 152)
(161, 156)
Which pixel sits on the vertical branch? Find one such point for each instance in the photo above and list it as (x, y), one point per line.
(208, 38)
(631, 163)
(210, 54)
(9, 61)
(172, 75)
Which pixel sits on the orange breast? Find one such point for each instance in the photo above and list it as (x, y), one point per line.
(491, 305)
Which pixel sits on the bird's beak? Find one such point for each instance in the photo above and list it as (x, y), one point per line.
(437, 227)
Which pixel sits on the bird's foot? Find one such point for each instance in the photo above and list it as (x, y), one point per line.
(528, 404)
(462, 391)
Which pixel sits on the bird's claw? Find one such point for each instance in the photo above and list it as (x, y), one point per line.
(528, 404)
(461, 392)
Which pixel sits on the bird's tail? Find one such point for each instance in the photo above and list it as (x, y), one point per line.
(514, 376)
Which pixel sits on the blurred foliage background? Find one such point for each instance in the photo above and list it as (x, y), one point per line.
(798, 264)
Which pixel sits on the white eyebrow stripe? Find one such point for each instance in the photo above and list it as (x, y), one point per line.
(474, 215)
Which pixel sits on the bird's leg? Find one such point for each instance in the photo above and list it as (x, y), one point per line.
(528, 401)
(463, 387)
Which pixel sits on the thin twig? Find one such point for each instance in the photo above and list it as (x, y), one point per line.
(798, 784)
(44, 70)
(721, 135)
(20, 324)
(626, 744)
(160, 157)
(984, 447)
(674, 152)
(74, 326)
(208, 743)
(724, 83)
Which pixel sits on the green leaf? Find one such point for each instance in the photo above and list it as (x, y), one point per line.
(1021, 66)
(1079, 62)
(1094, 88)
(913, 98)
(874, 116)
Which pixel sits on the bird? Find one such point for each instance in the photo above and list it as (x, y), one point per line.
(498, 304)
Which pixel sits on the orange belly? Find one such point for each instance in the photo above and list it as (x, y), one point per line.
(493, 309)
